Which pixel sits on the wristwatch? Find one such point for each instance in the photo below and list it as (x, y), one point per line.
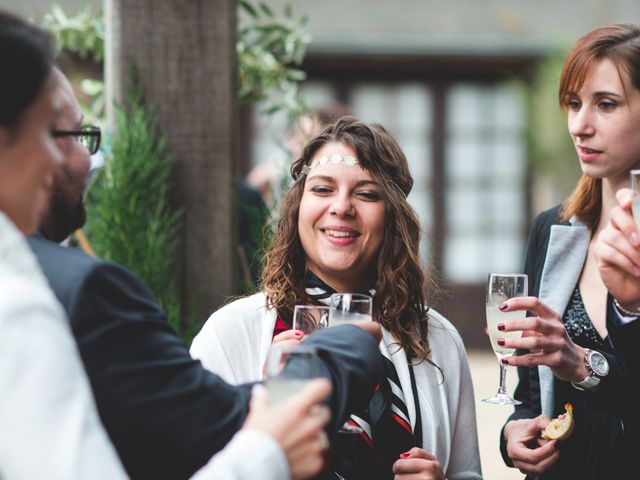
(598, 367)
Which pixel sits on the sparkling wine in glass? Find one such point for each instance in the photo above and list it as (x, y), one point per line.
(501, 288)
(347, 308)
(309, 318)
(634, 177)
(302, 367)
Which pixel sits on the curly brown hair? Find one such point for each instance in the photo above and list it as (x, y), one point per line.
(400, 300)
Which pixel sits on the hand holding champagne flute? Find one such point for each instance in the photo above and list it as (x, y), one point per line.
(303, 359)
(500, 289)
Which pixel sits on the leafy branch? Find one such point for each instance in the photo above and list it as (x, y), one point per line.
(82, 34)
(270, 51)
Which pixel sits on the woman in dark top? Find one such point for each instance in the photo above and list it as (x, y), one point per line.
(566, 355)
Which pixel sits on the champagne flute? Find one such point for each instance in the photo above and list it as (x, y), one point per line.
(500, 289)
(309, 318)
(347, 308)
(634, 176)
(303, 367)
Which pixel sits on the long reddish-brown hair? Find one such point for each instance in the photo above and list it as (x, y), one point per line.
(399, 303)
(619, 43)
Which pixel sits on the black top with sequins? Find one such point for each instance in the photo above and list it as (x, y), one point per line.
(579, 325)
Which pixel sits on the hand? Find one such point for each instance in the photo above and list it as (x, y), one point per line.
(373, 328)
(289, 339)
(530, 453)
(618, 254)
(417, 464)
(546, 338)
(296, 424)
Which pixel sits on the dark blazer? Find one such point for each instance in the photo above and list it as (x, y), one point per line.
(164, 413)
(556, 252)
(626, 341)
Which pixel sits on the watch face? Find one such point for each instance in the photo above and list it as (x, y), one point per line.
(599, 364)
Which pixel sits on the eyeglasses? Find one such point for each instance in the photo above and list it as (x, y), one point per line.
(89, 136)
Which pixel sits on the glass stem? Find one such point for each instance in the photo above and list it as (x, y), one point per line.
(502, 390)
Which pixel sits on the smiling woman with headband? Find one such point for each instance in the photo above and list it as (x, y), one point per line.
(345, 226)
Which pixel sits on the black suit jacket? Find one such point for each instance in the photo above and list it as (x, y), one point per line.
(164, 413)
(626, 340)
(616, 388)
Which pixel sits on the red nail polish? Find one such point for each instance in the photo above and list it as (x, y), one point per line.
(501, 342)
(501, 326)
(505, 361)
(503, 306)
(405, 455)
(298, 334)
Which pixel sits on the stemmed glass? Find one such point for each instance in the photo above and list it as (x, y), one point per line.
(501, 288)
(634, 176)
(309, 318)
(303, 365)
(349, 308)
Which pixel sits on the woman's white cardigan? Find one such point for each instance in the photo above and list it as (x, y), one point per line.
(235, 340)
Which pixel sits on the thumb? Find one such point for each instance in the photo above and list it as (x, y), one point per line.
(259, 399)
(373, 328)
(625, 197)
(416, 452)
(541, 421)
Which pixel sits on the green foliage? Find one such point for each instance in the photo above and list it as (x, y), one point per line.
(130, 219)
(94, 110)
(270, 51)
(82, 34)
(552, 151)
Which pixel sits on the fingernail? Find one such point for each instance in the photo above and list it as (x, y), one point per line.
(501, 326)
(405, 455)
(503, 306)
(505, 361)
(501, 342)
(634, 239)
(298, 334)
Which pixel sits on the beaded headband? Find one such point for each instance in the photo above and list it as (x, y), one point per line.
(336, 158)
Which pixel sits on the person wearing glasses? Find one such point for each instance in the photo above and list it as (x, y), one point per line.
(49, 426)
(76, 142)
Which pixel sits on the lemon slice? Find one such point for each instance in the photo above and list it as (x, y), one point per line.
(561, 427)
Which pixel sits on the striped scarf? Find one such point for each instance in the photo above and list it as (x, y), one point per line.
(385, 423)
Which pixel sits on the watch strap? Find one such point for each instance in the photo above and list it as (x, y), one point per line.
(592, 381)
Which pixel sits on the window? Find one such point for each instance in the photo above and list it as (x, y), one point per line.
(485, 180)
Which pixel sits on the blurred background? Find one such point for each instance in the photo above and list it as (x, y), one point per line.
(468, 88)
